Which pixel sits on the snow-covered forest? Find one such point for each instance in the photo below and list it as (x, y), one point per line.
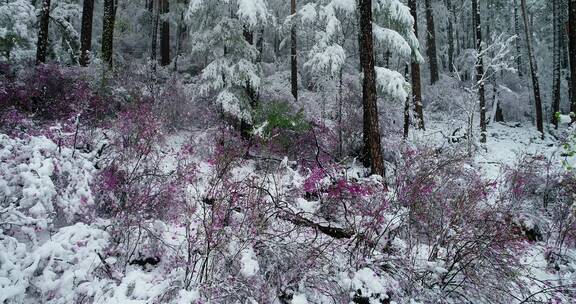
(288, 151)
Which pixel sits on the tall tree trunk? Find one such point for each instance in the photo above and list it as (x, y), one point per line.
(340, 113)
(155, 24)
(415, 72)
(245, 126)
(431, 42)
(533, 70)
(260, 45)
(518, 39)
(563, 10)
(372, 144)
(557, 31)
(572, 54)
(406, 111)
(480, 70)
(165, 34)
(86, 32)
(249, 37)
(293, 53)
(109, 18)
(450, 37)
(180, 36)
(42, 45)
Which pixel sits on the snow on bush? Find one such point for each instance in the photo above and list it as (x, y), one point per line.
(41, 183)
(61, 270)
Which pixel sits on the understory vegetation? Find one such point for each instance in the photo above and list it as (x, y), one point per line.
(226, 171)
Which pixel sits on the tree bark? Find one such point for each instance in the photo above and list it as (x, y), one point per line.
(450, 37)
(42, 44)
(86, 32)
(260, 45)
(431, 43)
(293, 53)
(518, 39)
(249, 37)
(109, 18)
(406, 111)
(563, 31)
(415, 72)
(533, 70)
(557, 31)
(165, 35)
(572, 54)
(180, 36)
(245, 126)
(372, 145)
(480, 70)
(155, 23)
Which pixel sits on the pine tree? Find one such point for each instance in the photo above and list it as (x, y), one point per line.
(480, 69)
(86, 32)
(42, 45)
(293, 53)
(557, 31)
(109, 19)
(518, 39)
(372, 145)
(431, 42)
(572, 55)
(406, 111)
(154, 36)
(165, 34)
(223, 32)
(415, 72)
(533, 70)
(450, 8)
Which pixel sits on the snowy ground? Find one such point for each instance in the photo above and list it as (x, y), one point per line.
(60, 261)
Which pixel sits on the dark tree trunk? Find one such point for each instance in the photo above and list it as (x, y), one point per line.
(557, 31)
(518, 39)
(180, 36)
(245, 126)
(431, 42)
(373, 157)
(165, 35)
(533, 70)
(450, 38)
(293, 53)
(480, 70)
(86, 32)
(406, 111)
(563, 31)
(42, 45)
(260, 45)
(249, 37)
(155, 24)
(572, 54)
(415, 72)
(109, 18)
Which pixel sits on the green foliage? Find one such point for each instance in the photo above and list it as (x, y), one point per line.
(557, 116)
(279, 116)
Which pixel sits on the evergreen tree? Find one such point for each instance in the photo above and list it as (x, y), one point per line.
(42, 44)
(109, 19)
(86, 33)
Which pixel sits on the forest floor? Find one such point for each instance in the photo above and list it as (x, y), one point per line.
(64, 260)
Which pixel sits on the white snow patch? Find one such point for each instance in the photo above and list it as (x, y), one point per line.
(249, 263)
(299, 298)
